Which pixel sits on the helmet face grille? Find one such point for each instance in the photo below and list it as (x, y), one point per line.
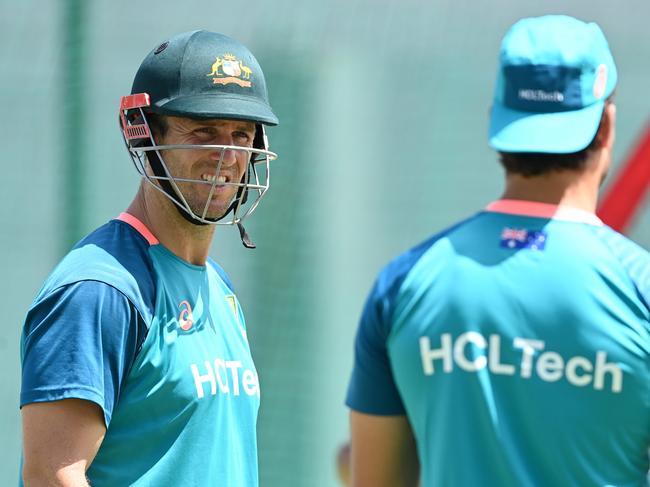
(149, 161)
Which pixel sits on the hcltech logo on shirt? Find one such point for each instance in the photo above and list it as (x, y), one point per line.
(228, 377)
(219, 375)
(549, 366)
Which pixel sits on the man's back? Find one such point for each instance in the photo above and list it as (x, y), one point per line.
(519, 346)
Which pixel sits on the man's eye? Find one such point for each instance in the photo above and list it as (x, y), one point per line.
(241, 136)
(204, 131)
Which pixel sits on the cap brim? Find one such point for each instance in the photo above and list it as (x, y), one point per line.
(556, 133)
(218, 106)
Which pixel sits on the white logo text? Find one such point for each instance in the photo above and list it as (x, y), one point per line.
(540, 95)
(226, 376)
(549, 366)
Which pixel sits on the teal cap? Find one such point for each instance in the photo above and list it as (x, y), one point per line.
(202, 74)
(555, 73)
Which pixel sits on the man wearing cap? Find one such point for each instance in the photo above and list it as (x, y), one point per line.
(136, 368)
(513, 349)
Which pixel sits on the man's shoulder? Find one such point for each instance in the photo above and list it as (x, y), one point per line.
(621, 245)
(114, 254)
(394, 273)
(634, 259)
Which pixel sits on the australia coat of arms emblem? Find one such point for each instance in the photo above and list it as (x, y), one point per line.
(228, 69)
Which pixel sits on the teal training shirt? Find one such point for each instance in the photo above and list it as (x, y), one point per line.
(518, 345)
(160, 345)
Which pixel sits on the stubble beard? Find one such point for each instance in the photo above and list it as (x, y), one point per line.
(197, 203)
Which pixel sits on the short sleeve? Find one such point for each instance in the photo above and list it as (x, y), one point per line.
(79, 342)
(372, 388)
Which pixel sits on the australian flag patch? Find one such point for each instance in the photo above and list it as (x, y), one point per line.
(519, 238)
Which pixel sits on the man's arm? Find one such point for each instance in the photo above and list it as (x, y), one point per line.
(383, 451)
(60, 441)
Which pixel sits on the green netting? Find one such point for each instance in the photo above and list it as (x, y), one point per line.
(383, 107)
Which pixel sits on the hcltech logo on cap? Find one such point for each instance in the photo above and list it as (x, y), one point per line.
(555, 74)
(542, 88)
(229, 70)
(540, 95)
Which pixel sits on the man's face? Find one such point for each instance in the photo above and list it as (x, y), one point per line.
(202, 164)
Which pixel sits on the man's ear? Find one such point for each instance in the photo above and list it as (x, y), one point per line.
(607, 130)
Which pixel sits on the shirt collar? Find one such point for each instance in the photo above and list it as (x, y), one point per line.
(543, 210)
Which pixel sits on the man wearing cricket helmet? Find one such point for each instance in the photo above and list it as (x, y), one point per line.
(136, 363)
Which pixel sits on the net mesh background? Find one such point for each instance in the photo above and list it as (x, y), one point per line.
(383, 108)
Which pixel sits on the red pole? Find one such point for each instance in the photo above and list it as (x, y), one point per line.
(626, 193)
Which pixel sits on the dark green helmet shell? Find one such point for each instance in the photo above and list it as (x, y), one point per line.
(204, 74)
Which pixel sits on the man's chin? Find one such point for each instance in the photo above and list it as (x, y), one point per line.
(213, 215)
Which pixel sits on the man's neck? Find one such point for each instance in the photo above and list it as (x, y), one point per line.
(566, 188)
(189, 242)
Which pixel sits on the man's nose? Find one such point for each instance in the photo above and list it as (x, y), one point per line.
(228, 157)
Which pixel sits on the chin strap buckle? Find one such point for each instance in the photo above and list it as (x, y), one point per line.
(245, 239)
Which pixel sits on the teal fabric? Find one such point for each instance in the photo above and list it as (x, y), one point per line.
(71, 347)
(518, 366)
(189, 408)
(161, 346)
(85, 326)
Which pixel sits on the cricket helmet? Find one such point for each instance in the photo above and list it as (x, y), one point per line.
(200, 75)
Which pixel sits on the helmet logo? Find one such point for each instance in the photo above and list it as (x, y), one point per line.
(161, 47)
(229, 70)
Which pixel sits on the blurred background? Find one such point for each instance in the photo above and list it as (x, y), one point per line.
(383, 107)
